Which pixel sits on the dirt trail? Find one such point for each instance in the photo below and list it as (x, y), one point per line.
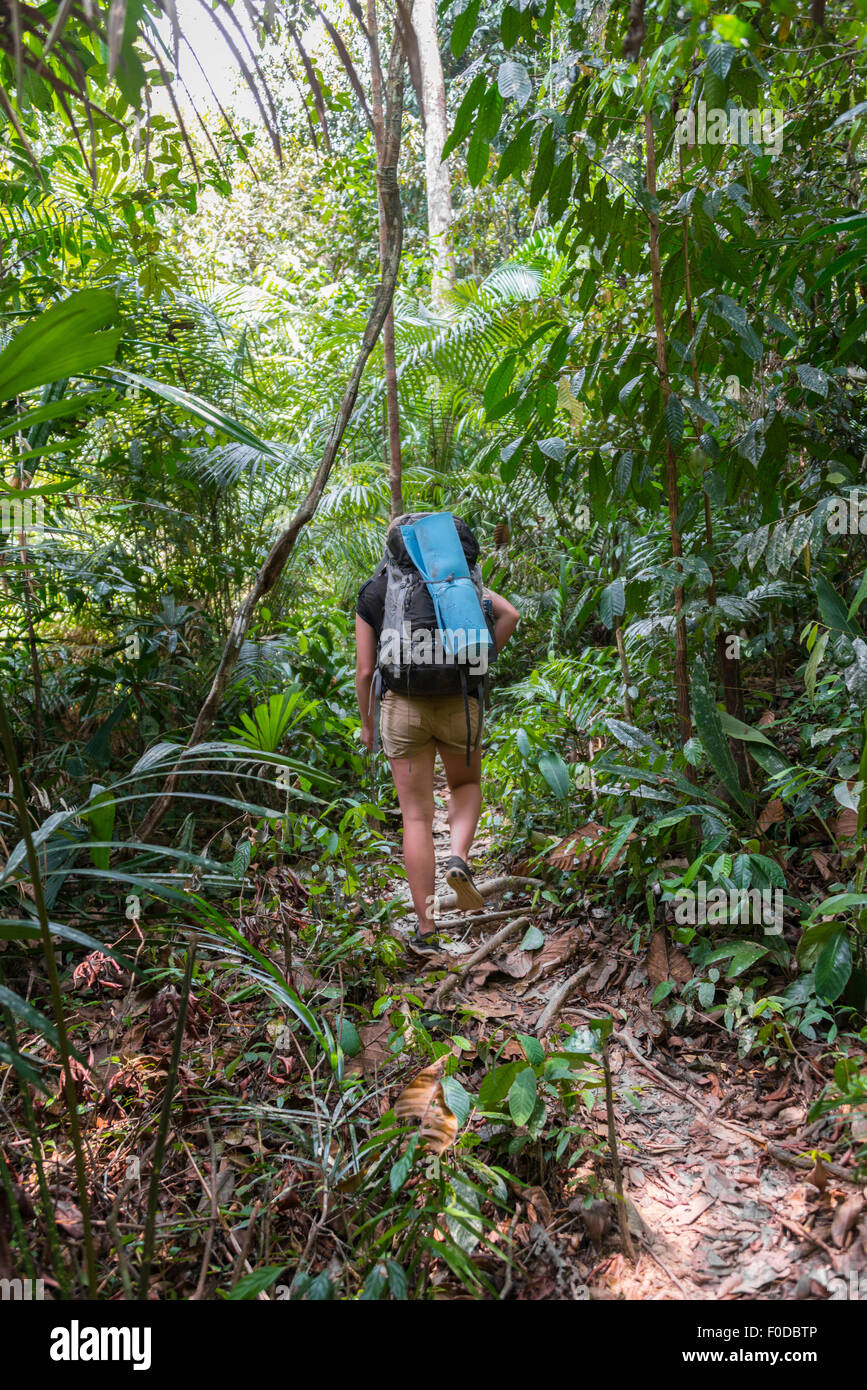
(713, 1214)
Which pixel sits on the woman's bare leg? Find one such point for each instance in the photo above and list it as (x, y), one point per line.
(413, 778)
(465, 801)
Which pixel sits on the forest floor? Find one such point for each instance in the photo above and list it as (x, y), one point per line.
(722, 1200)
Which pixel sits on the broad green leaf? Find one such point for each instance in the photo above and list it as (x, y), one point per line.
(522, 1096)
(556, 774)
(839, 902)
(711, 732)
(833, 966)
(811, 670)
(553, 448)
(100, 812)
(533, 938)
(560, 189)
(612, 602)
(619, 840)
(478, 158)
(741, 955)
(674, 421)
(623, 473)
(497, 1084)
(513, 80)
(256, 1282)
(533, 1049)
(464, 117)
(401, 1170)
(736, 728)
(859, 597)
(349, 1038)
(203, 410)
(61, 341)
(467, 15)
(457, 1098)
(832, 608)
(813, 378)
(499, 381)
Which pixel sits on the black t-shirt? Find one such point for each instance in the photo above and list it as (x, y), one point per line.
(371, 601)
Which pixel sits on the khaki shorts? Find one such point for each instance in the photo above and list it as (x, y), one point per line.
(410, 723)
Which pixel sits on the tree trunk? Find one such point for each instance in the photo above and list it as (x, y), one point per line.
(730, 669)
(437, 178)
(681, 677)
(388, 148)
(395, 462)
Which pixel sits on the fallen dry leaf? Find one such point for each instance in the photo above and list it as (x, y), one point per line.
(517, 964)
(845, 826)
(578, 850)
(818, 1175)
(601, 980)
(374, 1052)
(845, 1217)
(539, 1208)
(595, 1218)
(424, 1100)
(822, 862)
(665, 962)
(69, 1220)
(773, 814)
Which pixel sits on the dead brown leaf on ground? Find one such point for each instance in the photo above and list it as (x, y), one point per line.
(579, 850)
(845, 1216)
(424, 1099)
(773, 814)
(665, 962)
(374, 1049)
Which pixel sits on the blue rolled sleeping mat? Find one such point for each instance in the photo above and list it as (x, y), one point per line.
(434, 546)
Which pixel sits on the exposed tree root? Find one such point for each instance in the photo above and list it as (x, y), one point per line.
(486, 949)
(488, 889)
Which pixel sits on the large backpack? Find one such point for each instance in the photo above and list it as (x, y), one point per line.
(418, 652)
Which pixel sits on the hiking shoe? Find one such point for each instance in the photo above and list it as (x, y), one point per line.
(460, 879)
(424, 943)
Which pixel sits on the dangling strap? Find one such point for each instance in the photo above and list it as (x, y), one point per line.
(375, 699)
(481, 692)
(463, 672)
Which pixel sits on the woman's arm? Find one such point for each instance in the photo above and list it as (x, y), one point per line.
(505, 618)
(365, 663)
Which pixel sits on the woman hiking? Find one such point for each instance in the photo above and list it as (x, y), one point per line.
(432, 692)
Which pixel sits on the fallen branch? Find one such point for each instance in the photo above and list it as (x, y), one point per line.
(484, 920)
(488, 889)
(230, 1234)
(199, 1291)
(487, 949)
(615, 1157)
(558, 999)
